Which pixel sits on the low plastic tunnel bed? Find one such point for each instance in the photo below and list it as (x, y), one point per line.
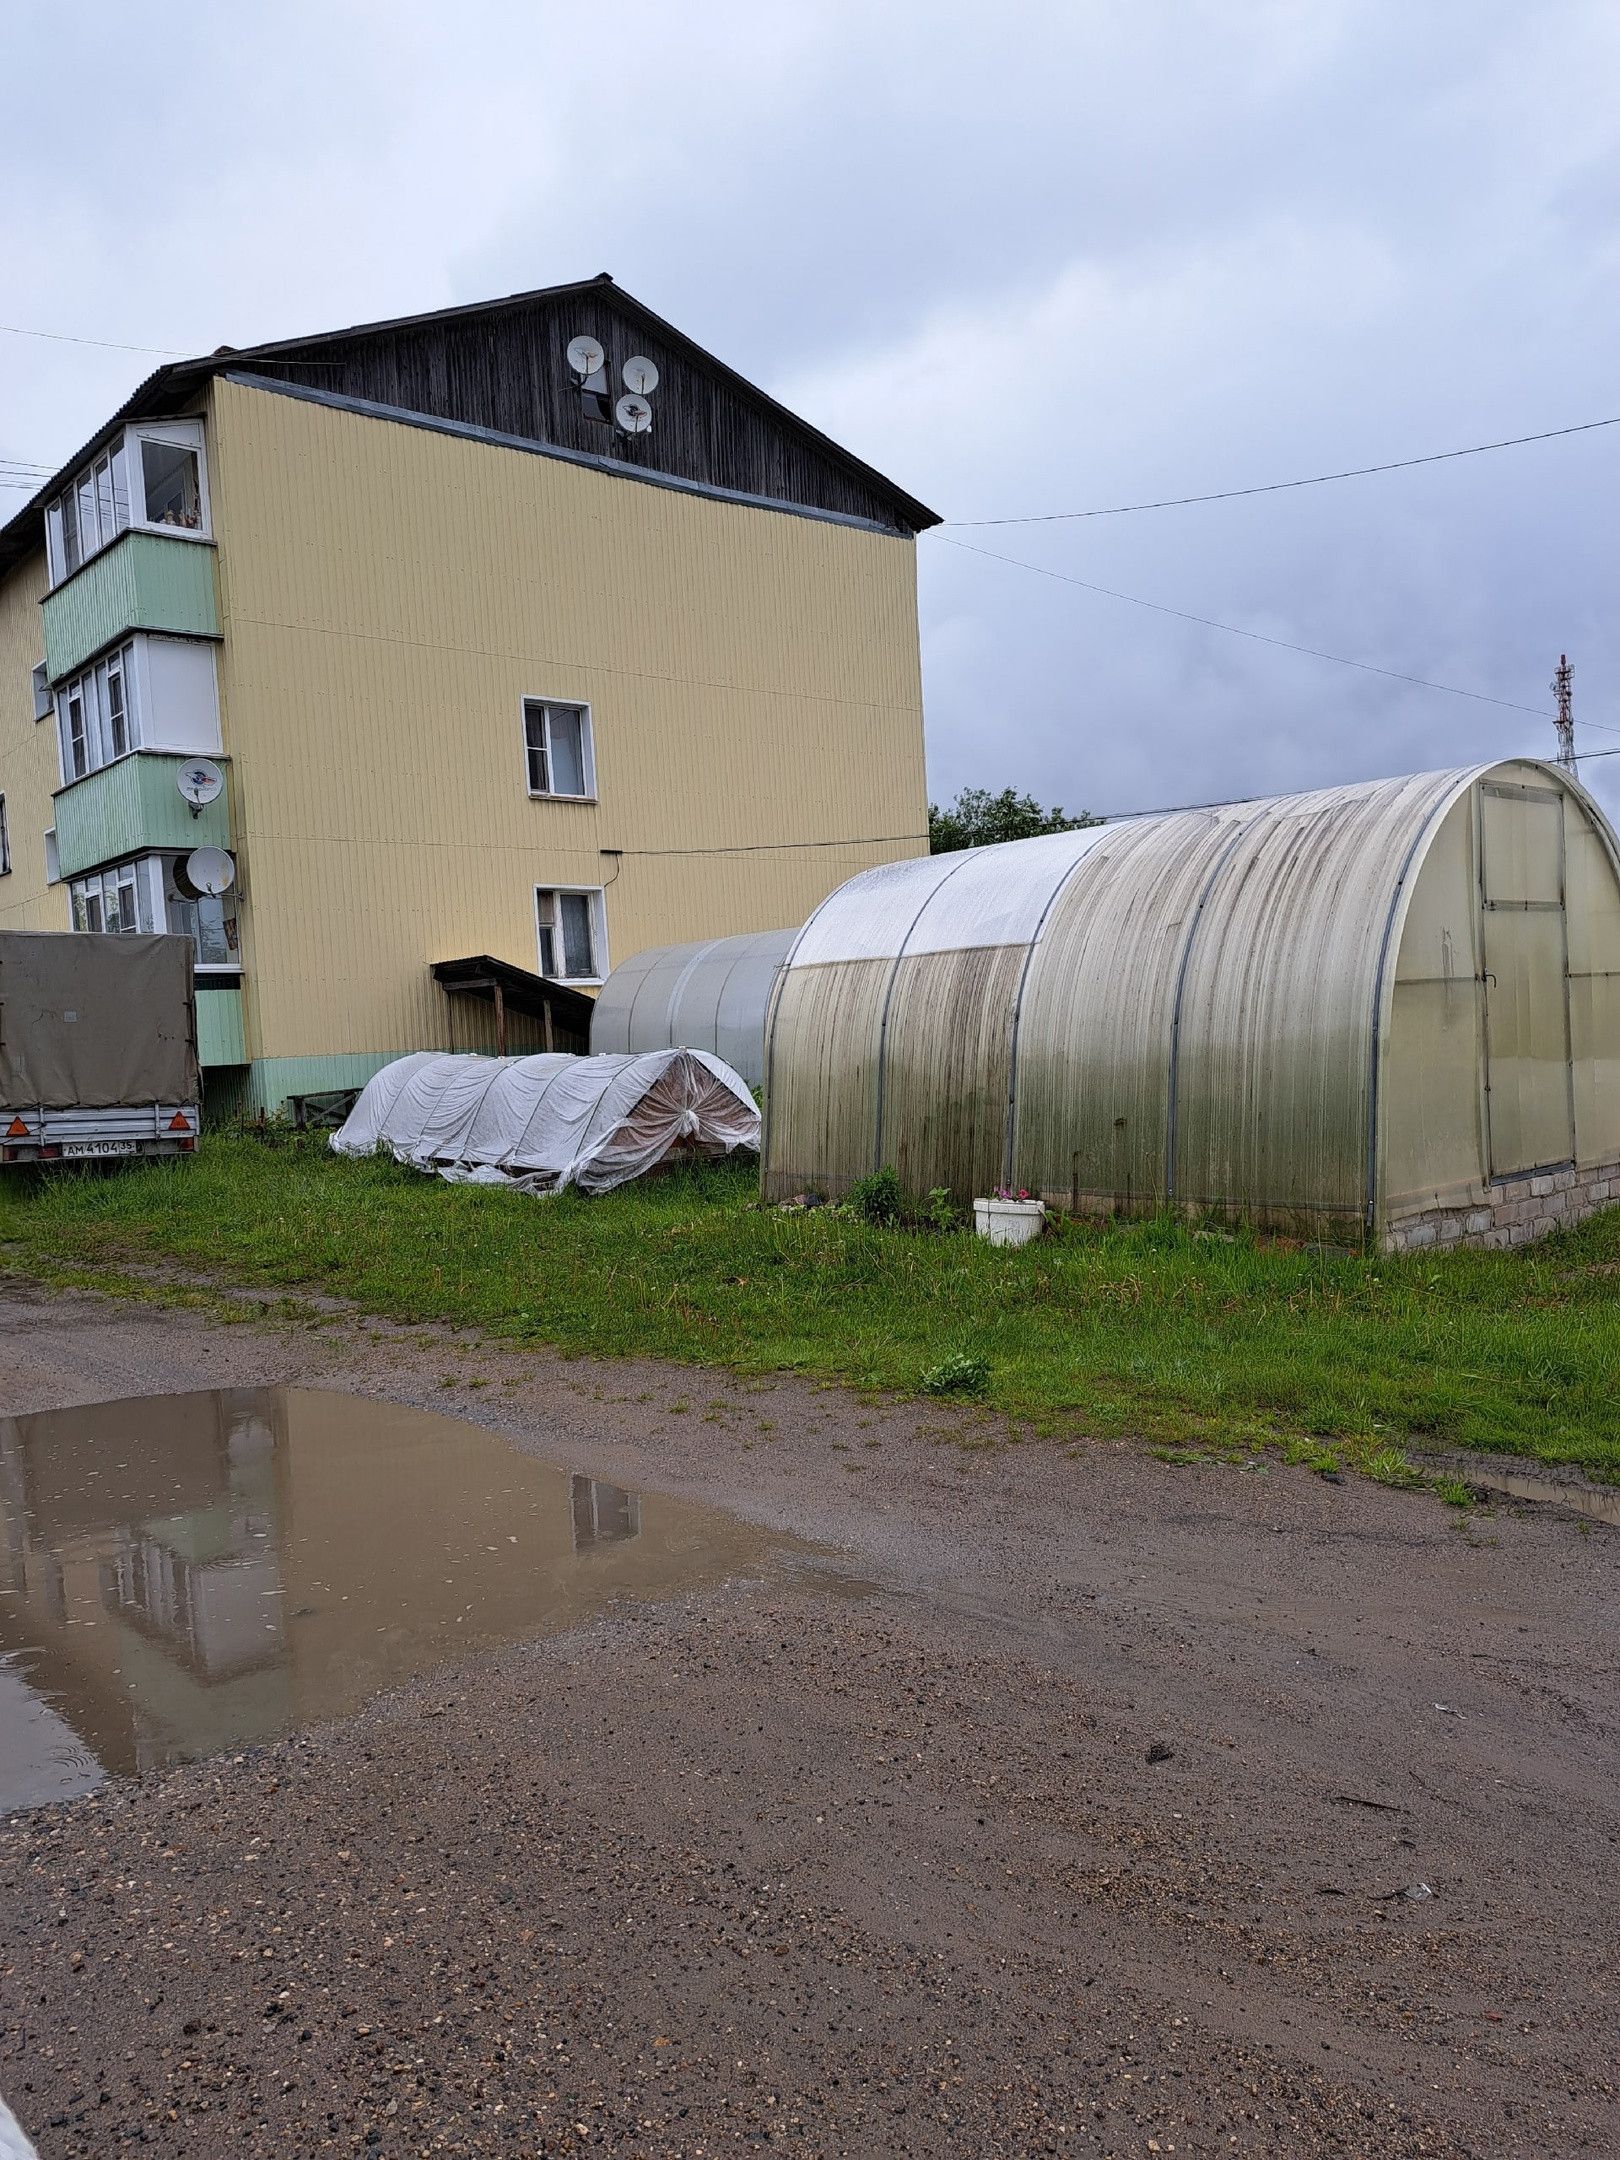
(539, 1124)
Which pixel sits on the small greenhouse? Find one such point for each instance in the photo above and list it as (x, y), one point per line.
(708, 996)
(1389, 1010)
(542, 1123)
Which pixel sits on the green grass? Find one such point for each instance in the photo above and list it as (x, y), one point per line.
(1197, 1344)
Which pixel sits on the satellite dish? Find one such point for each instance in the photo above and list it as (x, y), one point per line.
(640, 375)
(206, 870)
(200, 782)
(633, 414)
(585, 355)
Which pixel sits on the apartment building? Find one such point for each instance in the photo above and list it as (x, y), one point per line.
(422, 671)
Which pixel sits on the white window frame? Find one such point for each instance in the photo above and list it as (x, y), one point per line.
(89, 686)
(145, 713)
(599, 945)
(146, 875)
(587, 745)
(180, 434)
(53, 859)
(132, 876)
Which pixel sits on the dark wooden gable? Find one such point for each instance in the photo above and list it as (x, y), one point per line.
(504, 367)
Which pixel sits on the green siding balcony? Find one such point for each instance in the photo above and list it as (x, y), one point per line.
(131, 808)
(142, 582)
(220, 1040)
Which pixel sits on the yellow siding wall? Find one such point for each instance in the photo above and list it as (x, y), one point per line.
(389, 597)
(28, 769)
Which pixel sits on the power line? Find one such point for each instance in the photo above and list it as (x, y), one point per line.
(1259, 637)
(1242, 802)
(1279, 487)
(62, 337)
(768, 847)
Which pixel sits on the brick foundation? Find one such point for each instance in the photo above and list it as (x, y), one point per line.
(1514, 1211)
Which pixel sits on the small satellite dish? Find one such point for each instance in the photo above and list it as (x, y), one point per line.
(200, 782)
(640, 375)
(206, 870)
(633, 414)
(585, 355)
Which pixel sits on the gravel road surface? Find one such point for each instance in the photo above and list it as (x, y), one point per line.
(1053, 1804)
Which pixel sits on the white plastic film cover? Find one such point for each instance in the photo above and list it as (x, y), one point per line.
(543, 1123)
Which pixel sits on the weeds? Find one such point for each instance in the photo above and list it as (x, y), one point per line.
(877, 1199)
(1216, 1345)
(958, 1374)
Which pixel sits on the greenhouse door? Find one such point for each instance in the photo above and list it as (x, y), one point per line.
(1529, 1096)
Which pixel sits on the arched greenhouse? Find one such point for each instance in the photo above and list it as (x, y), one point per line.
(1389, 1010)
(708, 996)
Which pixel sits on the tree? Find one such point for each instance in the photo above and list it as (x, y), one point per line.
(979, 819)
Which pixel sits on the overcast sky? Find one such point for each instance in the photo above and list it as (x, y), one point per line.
(1024, 259)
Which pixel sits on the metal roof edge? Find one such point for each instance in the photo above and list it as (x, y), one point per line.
(492, 438)
(23, 531)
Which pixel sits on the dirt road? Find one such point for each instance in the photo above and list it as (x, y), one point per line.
(1064, 1806)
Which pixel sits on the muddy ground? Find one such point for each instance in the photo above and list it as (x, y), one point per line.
(1064, 1807)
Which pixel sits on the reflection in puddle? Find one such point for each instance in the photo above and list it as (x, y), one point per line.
(1602, 1503)
(185, 1574)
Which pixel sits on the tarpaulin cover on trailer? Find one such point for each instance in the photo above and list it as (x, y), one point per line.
(92, 1022)
(541, 1123)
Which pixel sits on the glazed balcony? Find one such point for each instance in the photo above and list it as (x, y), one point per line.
(132, 807)
(142, 581)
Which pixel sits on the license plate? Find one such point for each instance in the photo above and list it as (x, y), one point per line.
(97, 1147)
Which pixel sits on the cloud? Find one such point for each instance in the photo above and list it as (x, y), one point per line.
(1031, 258)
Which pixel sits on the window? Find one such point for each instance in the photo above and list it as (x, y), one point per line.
(150, 476)
(573, 944)
(44, 702)
(94, 511)
(209, 921)
(5, 841)
(173, 488)
(596, 398)
(557, 743)
(76, 757)
(117, 712)
(53, 860)
(119, 899)
(144, 894)
(97, 715)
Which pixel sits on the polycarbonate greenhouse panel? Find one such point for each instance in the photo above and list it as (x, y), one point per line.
(1095, 1030)
(711, 995)
(946, 1068)
(871, 917)
(1527, 1071)
(1276, 1036)
(1275, 1008)
(822, 1054)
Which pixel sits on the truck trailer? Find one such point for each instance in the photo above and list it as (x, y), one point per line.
(98, 1047)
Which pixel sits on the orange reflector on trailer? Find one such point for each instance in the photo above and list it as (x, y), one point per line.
(179, 1122)
(16, 1130)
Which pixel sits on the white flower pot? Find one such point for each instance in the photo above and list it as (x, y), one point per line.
(1009, 1222)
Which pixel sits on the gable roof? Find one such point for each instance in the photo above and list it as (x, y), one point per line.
(332, 354)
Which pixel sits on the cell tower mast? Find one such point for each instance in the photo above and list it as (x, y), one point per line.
(1563, 689)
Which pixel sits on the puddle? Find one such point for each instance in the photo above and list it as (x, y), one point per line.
(1600, 1502)
(186, 1574)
